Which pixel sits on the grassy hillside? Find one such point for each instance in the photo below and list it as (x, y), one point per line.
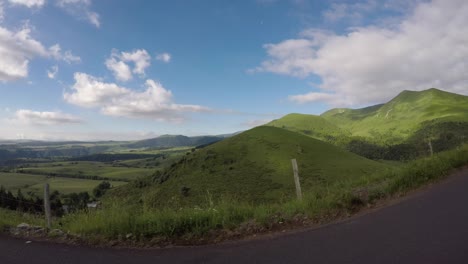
(310, 125)
(398, 119)
(254, 166)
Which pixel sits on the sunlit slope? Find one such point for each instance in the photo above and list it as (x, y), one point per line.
(254, 166)
(403, 115)
(310, 125)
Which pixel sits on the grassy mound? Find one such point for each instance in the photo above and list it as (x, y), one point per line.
(253, 167)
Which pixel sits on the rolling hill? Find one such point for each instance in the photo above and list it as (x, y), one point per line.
(253, 166)
(402, 116)
(310, 125)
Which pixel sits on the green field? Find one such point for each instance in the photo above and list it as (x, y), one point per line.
(14, 181)
(35, 183)
(88, 169)
(67, 185)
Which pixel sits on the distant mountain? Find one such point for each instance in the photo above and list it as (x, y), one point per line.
(169, 141)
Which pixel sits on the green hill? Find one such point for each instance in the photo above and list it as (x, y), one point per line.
(401, 117)
(310, 125)
(254, 166)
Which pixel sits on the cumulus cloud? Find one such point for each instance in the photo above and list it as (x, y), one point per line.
(117, 63)
(371, 64)
(52, 72)
(89, 91)
(81, 10)
(18, 48)
(26, 116)
(164, 57)
(120, 69)
(140, 58)
(28, 3)
(155, 102)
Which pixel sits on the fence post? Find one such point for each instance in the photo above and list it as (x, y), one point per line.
(430, 148)
(296, 179)
(47, 206)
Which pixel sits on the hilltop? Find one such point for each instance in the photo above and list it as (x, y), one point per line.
(402, 116)
(310, 125)
(411, 125)
(254, 166)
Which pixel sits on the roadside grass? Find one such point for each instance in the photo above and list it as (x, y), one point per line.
(322, 204)
(9, 218)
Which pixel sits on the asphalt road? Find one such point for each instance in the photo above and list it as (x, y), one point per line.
(429, 227)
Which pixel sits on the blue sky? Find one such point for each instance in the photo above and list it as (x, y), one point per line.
(108, 69)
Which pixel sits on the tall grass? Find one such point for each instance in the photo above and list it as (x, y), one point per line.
(9, 218)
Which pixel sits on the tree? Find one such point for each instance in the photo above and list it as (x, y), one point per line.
(101, 189)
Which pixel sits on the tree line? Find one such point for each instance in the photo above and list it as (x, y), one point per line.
(34, 204)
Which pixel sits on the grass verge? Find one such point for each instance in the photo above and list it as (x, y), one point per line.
(9, 218)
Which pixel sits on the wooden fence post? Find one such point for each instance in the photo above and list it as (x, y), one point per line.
(296, 179)
(430, 148)
(47, 206)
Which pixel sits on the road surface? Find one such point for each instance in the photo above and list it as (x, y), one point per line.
(429, 227)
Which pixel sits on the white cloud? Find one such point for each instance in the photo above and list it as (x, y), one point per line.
(164, 57)
(140, 58)
(153, 103)
(89, 91)
(28, 3)
(18, 48)
(121, 70)
(25, 116)
(81, 10)
(56, 52)
(290, 57)
(52, 72)
(372, 64)
(353, 12)
(93, 18)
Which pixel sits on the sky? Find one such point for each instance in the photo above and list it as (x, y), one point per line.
(128, 70)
